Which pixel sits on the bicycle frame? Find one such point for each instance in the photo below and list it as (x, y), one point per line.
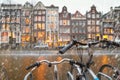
(56, 76)
(92, 74)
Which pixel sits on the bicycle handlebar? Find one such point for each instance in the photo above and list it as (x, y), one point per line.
(74, 42)
(48, 62)
(33, 65)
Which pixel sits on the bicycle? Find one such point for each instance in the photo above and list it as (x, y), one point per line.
(86, 68)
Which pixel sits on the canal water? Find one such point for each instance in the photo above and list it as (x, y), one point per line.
(15, 64)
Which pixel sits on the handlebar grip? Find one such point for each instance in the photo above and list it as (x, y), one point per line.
(33, 65)
(64, 49)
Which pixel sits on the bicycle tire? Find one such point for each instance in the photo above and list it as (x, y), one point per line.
(102, 68)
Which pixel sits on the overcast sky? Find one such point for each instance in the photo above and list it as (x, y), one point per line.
(73, 5)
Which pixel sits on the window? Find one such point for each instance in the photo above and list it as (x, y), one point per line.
(4, 37)
(68, 22)
(39, 26)
(93, 28)
(89, 22)
(110, 37)
(98, 22)
(66, 38)
(88, 15)
(41, 35)
(89, 36)
(27, 30)
(27, 21)
(18, 20)
(93, 15)
(43, 25)
(97, 29)
(93, 22)
(43, 12)
(64, 22)
(75, 30)
(76, 23)
(39, 18)
(97, 16)
(52, 18)
(27, 13)
(35, 18)
(39, 12)
(89, 29)
(43, 18)
(35, 26)
(25, 38)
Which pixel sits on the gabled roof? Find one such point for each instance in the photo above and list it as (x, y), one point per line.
(27, 5)
(93, 9)
(39, 5)
(77, 15)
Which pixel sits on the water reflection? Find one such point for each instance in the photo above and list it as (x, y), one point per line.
(15, 65)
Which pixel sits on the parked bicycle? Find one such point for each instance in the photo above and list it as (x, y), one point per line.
(79, 70)
(86, 68)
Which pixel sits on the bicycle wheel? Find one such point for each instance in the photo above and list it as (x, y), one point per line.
(107, 70)
(3, 73)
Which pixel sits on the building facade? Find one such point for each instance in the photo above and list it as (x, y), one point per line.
(39, 23)
(78, 23)
(64, 26)
(93, 18)
(26, 25)
(10, 25)
(52, 25)
(108, 25)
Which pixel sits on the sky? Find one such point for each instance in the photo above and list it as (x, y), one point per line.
(73, 5)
